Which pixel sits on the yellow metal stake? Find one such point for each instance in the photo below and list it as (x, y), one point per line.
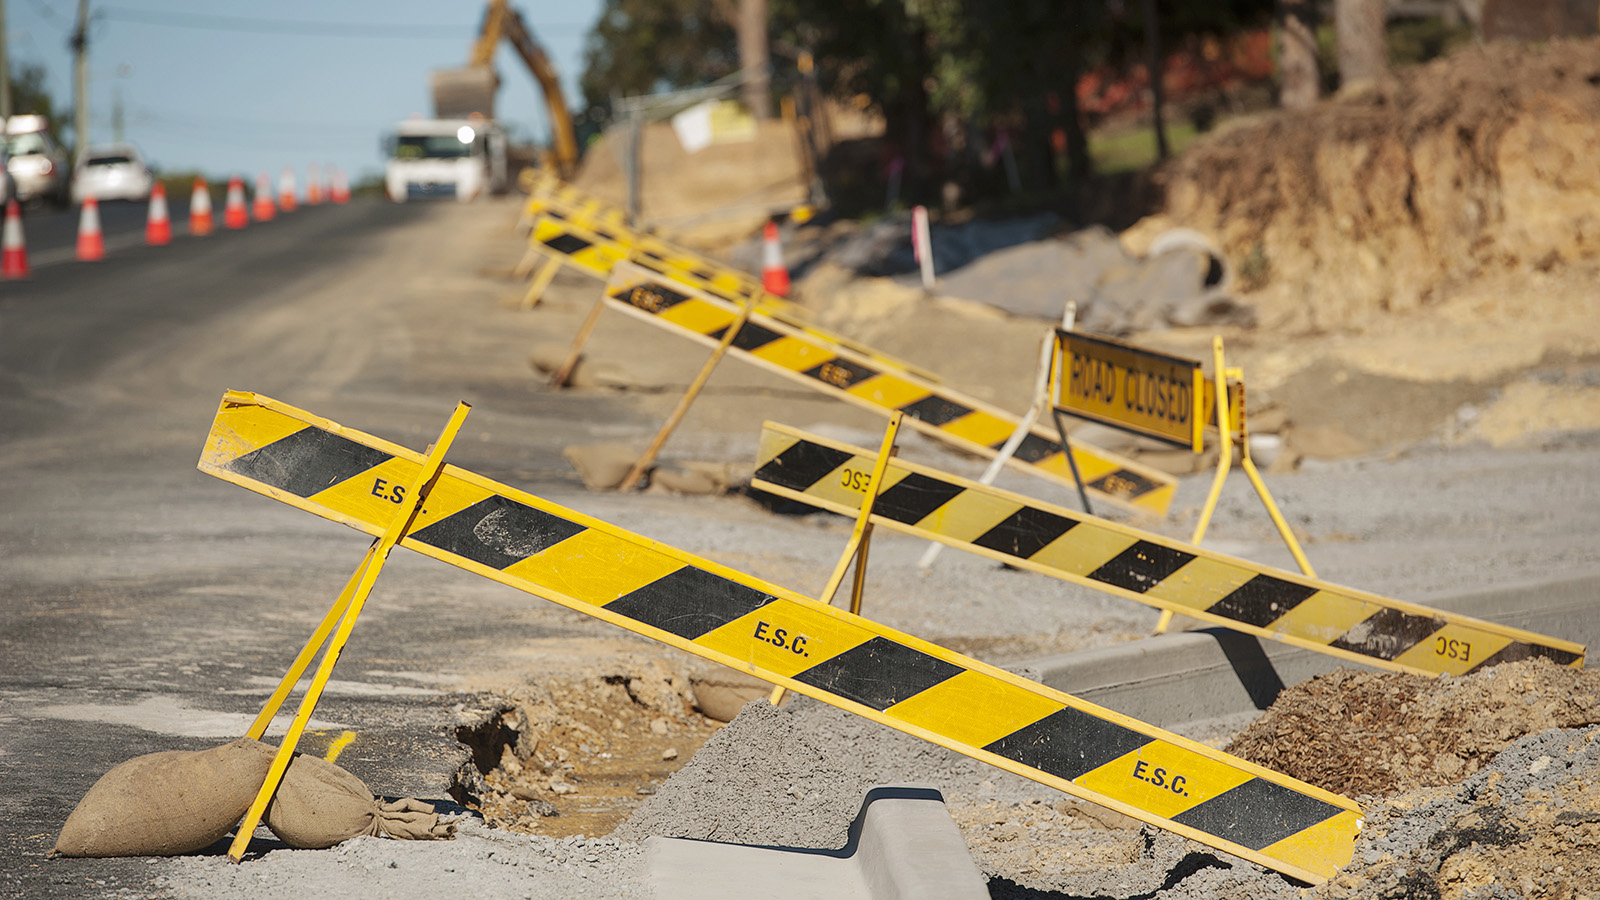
(367, 574)
(682, 409)
(1267, 501)
(860, 538)
(541, 282)
(558, 380)
(524, 266)
(1224, 463)
(309, 651)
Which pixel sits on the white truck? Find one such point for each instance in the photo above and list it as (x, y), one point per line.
(444, 158)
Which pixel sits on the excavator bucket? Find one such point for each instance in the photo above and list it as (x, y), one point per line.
(460, 93)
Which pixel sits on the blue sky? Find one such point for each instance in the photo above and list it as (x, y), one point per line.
(201, 91)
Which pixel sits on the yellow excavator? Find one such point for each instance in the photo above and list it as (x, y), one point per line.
(465, 92)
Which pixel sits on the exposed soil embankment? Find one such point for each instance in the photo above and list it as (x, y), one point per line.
(1374, 201)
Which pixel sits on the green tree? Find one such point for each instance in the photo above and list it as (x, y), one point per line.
(936, 70)
(29, 95)
(641, 46)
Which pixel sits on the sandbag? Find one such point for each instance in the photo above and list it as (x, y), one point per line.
(168, 803)
(320, 804)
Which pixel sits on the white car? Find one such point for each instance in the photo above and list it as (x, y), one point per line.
(111, 172)
(37, 164)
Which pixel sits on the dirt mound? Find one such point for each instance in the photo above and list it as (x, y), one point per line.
(1527, 826)
(1375, 200)
(1370, 733)
(709, 198)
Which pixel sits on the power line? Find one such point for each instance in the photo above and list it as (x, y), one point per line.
(301, 27)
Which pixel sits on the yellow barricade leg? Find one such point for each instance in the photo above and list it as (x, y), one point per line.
(309, 651)
(367, 576)
(682, 409)
(860, 538)
(541, 283)
(559, 379)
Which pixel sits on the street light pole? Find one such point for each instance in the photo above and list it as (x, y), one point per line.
(5, 71)
(80, 49)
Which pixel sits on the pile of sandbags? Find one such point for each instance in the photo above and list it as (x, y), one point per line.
(176, 802)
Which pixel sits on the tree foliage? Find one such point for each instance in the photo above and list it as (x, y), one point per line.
(937, 70)
(642, 46)
(29, 95)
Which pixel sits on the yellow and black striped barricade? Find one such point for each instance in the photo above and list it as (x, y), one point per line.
(570, 234)
(781, 636)
(1164, 397)
(1168, 574)
(932, 409)
(560, 201)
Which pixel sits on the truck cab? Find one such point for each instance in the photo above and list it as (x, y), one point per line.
(446, 158)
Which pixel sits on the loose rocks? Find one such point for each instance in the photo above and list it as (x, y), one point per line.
(1357, 732)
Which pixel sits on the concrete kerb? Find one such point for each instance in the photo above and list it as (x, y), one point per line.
(1186, 681)
(903, 845)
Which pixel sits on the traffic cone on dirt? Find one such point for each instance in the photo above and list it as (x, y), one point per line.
(200, 209)
(339, 189)
(235, 214)
(158, 228)
(774, 274)
(313, 185)
(286, 190)
(13, 249)
(265, 209)
(91, 243)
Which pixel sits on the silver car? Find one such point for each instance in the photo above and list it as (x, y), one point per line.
(111, 172)
(37, 164)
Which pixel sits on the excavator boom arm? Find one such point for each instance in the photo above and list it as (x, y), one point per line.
(501, 21)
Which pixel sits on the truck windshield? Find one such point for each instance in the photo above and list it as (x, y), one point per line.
(430, 146)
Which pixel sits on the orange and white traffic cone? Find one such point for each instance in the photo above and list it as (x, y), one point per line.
(13, 249)
(774, 274)
(265, 209)
(158, 228)
(339, 192)
(313, 185)
(286, 190)
(234, 213)
(200, 209)
(91, 243)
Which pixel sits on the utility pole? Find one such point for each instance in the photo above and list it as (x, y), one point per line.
(1152, 44)
(80, 79)
(5, 71)
(753, 57)
(1363, 51)
(1297, 54)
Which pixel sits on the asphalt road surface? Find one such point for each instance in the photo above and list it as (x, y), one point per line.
(146, 606)
(51, 235)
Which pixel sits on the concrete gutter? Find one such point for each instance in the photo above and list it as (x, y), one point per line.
(1184, 678)
(903, 845)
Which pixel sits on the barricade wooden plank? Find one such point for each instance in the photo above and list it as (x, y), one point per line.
(781, 636)
(1162, 572)
(594, 242)
(933, 409)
